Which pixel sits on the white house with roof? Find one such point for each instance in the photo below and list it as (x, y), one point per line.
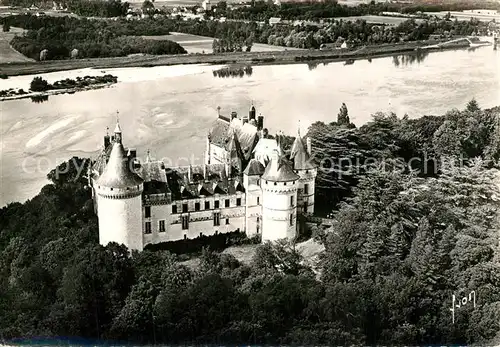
(247, 183)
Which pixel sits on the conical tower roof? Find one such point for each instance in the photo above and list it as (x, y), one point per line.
(117, 173)
(301, 159)
(279, 170)
(254, 168)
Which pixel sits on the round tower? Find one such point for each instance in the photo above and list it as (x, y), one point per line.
(279, 200)
(307, 170)
(119, 207)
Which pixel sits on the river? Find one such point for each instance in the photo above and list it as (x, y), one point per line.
(169, 110)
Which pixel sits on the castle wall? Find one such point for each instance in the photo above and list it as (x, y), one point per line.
(253, 208)
(201, 222)
(306, 177)
(120, 221)
(279, 211)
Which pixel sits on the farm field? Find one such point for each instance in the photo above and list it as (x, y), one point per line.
(7, 53)
(203, 44)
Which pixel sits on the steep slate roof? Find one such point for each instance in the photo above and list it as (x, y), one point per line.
(301, 159)
(219, 131)
(216, 183)
(279, 170)
(117, 173)
(155, 178)
(254, 168)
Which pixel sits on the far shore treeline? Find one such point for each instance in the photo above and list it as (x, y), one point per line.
(66, 37)
(402, 243)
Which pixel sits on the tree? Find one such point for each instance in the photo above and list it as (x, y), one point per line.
(38, 84)
(473, 106)
(342, 117)
(148, 7)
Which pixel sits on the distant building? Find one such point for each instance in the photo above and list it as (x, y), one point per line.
(247, 183)
(274, 20)
(207, 5)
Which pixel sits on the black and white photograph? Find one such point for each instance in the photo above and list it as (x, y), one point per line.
(249, 173)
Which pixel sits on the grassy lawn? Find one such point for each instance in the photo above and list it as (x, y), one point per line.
(7, 53)
(203, 44)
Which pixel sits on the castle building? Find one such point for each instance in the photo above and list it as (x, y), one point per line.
(247, 183)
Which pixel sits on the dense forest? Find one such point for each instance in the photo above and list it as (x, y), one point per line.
(403, 241)
(101, 38)
(91, 38)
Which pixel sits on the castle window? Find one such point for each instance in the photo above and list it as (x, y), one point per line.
(207, 205)
(147, 211)
(174, 209)
(266, 182)
(258, 219)
(201, 234)
(161, 226)
(185, 222)
(258, 201)
(307, 171)
(284, 184)
(147, 228)
(227, 221)
(184, 208)
(305, 206)
(226, 203)
(216, 204)
(111, 189)
(291, 220)
(197, 206)
(185, 237)
(306, 188)
(238, 201)
(291, 200)
(217, 219)
(275, 183)
(216, 232)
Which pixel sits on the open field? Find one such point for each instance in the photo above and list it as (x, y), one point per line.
(7, 53)
(203, 44)
(309, 249)
(379, 19)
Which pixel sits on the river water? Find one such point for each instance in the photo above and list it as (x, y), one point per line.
(169, 110)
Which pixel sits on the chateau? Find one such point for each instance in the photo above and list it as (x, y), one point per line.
(246, 183)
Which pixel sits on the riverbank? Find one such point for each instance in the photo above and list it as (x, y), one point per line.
(42, 95)
(253, 58)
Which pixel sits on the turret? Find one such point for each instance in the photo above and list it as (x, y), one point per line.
(307, 170)
(118, 133)
(279, 200)
(119, 206)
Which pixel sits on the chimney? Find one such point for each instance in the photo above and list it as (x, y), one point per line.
(308, 143)
(107, 141)
(251, 114)
(205, 172)
(260, 122)
(234, 114)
